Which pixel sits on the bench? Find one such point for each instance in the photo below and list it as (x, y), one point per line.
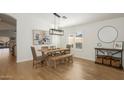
(65, 58)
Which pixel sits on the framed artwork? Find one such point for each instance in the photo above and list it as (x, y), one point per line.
(79, 40)
(118, 45)
(41, 37)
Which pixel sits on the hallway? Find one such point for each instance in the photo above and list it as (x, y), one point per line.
(6, 61)
(6, 57)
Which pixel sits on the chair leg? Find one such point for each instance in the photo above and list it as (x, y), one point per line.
(54, 64)
(68, 59)
(47, 62)
(36, 65)
(65, 60)
(71, 59)
(41, 63)
(33, 63)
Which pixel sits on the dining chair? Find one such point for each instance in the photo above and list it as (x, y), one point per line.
(37, 59)
(69, 46)
(67, 51)
(44, 47)
(52, 47)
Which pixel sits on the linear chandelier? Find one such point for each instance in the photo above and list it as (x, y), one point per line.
(57, 30)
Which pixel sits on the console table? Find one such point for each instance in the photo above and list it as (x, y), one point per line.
(108, 56)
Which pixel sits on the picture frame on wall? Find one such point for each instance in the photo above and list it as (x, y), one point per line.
(118, 45)
(41, 37)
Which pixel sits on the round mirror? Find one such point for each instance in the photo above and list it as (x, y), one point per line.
(107, 34)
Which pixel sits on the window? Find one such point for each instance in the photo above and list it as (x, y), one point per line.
(79, 40)
(76, 40)
(71, 39)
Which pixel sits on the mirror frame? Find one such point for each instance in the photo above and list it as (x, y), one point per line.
(105, 27)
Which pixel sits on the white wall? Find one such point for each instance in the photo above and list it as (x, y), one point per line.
(90, 36)
(25, 24)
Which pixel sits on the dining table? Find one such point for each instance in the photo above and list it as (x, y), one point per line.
(51, 51)
(55, 55)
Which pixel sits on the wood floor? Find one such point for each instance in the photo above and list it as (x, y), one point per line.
(79, 70)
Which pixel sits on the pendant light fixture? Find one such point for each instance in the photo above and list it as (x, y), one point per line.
(57, 30)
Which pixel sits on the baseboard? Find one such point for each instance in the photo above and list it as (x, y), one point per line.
(25, 60)
(85, 59)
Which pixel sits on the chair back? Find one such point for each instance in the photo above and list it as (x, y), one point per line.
(69, 46)
(67, 51)
(44, 48)
(52, 47)
(34, 53)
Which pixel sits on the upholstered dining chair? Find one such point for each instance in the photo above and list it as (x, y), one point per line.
(52, 47)
(37, 59)
(44, 47)
(69, 46)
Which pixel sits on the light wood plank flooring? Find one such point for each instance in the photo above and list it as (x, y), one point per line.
(79, 70)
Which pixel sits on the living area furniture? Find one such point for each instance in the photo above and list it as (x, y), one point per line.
(65, 58)
(44, 47)
(53, 50)
(37, 59)
(52, 47)
(69, 46)
(52, 57)
(110, 57)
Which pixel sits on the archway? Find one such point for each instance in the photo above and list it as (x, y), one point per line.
(7, 39)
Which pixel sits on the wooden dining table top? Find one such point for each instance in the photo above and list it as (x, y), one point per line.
(46, 51)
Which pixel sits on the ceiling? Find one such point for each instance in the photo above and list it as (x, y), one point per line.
(76, 18)
(85, 18)
(47, 19)
(7, 23)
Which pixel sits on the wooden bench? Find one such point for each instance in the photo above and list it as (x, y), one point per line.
(65, 58)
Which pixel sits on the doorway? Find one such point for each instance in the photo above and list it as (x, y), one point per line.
(7, 39)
